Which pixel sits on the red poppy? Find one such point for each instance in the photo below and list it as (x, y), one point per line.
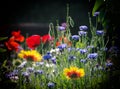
(17, 36)
(12, 45)
(46, 38)
(33, 41)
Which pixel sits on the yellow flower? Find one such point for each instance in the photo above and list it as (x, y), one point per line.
(74, 72)
(30, 55)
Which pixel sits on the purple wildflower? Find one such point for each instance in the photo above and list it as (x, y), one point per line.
(82, 33)
(38, 72)
(82, 51)
(92, 56)
(30, 69)
(51, 84)
(25, 74)
(83, 60)
(19, 48)
(64, 25)
(109, 64)
(61, 28)
(70, 49)
(99, 32)
(53, 59)
(70, 58)
(11, 74)
(62, 46)
(75, 37)
(96, 13)
(83, 28)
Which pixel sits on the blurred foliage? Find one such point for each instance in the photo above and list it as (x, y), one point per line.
(2, 49)
(4, 68)
(109, 17)
(3, 38)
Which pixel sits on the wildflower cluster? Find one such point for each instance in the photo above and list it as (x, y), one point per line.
(58, 60)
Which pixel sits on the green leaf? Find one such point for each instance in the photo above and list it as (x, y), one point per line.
(97, 5)
(71, 22)
(4, 63)
(2, 50)
(51, 29)
(80, 45)
(3, 38)
(101, 16)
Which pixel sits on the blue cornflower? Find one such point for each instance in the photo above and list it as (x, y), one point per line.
(53, 59)
(82, 33)
(82, 51)
(47, 56)
(64, 24)
(96, 13)
(70, 49)
(109, 64)
(38, 72)
(62, 46)
(61, 28)
(92, 55)
(14, 73)
(75, 37)
(83, 28)
(30, 69)
(83, 60)
(99, 32)
(71, 57)
(25, 74)
(51, 84)
(12, 76)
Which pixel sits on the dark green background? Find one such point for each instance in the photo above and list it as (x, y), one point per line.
(40, 13)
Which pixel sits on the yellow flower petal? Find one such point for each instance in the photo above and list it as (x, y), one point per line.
(73, 72)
